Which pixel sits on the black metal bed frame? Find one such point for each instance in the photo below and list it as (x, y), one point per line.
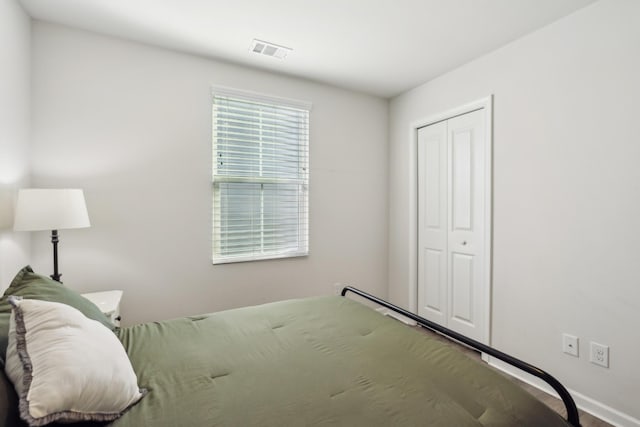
(570, 405)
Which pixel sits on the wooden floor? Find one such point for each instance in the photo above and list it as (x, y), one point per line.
(586, 420)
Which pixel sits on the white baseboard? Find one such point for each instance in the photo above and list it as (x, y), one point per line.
(585, 403)
(397, 316)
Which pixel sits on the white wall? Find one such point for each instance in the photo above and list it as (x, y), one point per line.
(15, 93)
(131, 124)
(566, 194)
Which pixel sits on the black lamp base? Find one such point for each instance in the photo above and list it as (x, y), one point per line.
(54, 241)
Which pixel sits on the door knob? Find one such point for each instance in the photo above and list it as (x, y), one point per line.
(464, 243)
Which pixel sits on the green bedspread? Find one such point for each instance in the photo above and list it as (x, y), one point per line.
(326, 361)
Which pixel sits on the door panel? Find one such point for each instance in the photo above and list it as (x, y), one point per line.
(432, 222)
(461, 180)
(433, 183)
(462, 288)
(465, 139)
(434, 296)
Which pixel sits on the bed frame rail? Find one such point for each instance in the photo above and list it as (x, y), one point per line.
(570, 405)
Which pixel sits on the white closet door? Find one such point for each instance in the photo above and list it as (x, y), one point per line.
(466, 179)
(432, 223)
(451, 186)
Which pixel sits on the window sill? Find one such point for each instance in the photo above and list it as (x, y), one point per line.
(258, 258)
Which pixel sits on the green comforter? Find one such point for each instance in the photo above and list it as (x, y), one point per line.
(326, 361)
(315, 362)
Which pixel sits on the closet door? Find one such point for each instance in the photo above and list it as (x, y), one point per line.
(466, 196)
(451, 174)
(432, 223)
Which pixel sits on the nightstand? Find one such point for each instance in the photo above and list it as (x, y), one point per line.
(108, 302)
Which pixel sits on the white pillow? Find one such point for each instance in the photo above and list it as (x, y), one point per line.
(65, 366)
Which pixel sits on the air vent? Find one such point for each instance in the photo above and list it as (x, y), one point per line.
(269, 49)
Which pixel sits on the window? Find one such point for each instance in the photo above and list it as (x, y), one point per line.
(260, 177)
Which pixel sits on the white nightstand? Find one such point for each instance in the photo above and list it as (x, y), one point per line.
(108, 302)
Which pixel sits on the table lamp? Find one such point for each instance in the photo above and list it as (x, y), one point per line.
(50, 209)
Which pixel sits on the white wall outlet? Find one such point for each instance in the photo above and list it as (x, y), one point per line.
(570, 344)
(599, 354)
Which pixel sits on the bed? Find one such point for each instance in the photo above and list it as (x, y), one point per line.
(323, 361)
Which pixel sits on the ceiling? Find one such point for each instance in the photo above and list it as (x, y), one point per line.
(381, 47)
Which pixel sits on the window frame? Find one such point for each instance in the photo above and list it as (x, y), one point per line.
(303, 220)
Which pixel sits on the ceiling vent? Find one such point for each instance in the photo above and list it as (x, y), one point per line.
(269, 49)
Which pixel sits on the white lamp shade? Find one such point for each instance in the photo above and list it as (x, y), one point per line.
(50, 209)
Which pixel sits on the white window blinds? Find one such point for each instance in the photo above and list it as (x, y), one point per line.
(260, 179)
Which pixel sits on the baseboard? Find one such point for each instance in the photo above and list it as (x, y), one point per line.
(397, 316)
(585, 403)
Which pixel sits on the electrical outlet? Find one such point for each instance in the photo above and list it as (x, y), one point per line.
(599, 354)
(570, 344)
